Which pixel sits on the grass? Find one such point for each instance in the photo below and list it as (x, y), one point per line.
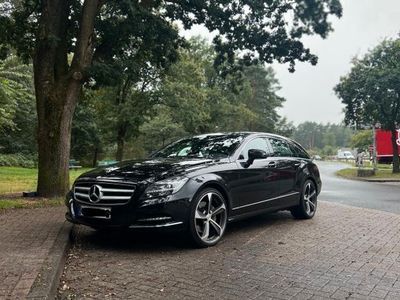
(16, 179)
(29, 203)
(385, 173)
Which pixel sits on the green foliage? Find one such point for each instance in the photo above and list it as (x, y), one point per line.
(329, 150)
(371, 91)
(25, 203)
(17, 107)
(161, 130)
(263, 100)
(190, 97)
(259, 27)
(362, 140)
(284, 127)
(16, 92)
(323, 140)
(203, 100)
(87, 135)
(18, 160)
(313, 135)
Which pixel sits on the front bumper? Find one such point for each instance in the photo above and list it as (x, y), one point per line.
(173, 214)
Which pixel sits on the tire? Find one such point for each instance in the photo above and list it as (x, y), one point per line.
(208, 218)
(308, 202)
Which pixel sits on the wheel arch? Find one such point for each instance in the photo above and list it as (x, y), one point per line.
(215, 184)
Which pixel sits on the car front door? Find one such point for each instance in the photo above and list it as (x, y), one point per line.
(258, 181)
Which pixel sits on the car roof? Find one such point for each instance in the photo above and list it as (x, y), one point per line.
(243, 133)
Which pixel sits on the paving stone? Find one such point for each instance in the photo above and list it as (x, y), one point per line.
(342, 253)
(26, 238)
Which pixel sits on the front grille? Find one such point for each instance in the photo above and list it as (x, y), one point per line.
(105, 193)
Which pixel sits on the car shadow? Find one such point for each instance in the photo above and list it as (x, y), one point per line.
(154, 241)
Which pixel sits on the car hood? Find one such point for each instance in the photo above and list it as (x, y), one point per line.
(149, 170)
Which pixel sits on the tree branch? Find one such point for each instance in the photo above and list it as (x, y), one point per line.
(85, 43)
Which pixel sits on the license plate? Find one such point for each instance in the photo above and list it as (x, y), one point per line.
(95, 212)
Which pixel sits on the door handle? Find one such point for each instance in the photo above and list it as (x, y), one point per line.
(271, 164)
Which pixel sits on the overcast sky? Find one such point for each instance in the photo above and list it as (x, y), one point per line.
(309, 91)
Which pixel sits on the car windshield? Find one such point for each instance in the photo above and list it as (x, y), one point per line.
(204, 146)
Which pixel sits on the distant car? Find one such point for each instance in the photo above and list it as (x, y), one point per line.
(347, 155)
(199, 184)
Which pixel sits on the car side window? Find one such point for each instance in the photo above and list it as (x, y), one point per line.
(298, 152)
(257, 143)
(280, 147)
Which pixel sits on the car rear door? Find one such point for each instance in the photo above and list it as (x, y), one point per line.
(286, 168)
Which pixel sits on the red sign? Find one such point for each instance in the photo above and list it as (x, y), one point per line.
(384, 143)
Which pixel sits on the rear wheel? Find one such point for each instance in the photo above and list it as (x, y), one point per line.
(308, 202)
(208, 218)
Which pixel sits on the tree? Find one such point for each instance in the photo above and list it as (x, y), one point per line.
(17, 107)
(371, 91)
(16, 88)
(202, 98)
(161, 130)
(87, 133)
(317, 136)
(309, 135)
(284, 127)
(362, 140)
(127, 104)
(48, 31)
(263, 99)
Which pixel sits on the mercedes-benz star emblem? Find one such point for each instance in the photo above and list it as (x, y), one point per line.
(95, 193)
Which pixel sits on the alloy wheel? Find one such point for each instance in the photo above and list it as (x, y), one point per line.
(210, 217)
(310, 198)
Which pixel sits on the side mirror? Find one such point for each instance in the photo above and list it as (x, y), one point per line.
(255, 154)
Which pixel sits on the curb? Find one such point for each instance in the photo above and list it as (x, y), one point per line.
(368, 180)
(380, 180)
(46, 283)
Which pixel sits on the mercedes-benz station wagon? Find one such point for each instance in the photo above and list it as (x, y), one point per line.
(199, 184)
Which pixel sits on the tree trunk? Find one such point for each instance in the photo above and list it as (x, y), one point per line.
(396, 167)
(57, 87)
(121, 135)
(54, 142)
(95, 156)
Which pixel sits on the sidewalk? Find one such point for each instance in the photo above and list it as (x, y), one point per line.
(26, 246)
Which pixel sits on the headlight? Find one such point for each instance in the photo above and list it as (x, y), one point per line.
(165, 187)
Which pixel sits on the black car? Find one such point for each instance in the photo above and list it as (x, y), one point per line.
(199, 184)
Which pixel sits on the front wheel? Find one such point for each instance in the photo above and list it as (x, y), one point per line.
(208, 218)
(308, 202)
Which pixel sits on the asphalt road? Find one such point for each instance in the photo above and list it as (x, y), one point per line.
(381, 196)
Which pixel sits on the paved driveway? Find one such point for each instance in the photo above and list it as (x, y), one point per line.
(343, 253)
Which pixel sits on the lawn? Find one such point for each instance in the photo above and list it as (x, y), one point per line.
(29, 203)
(384, 173)
(15, 179)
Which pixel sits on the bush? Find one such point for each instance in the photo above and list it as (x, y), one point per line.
(18, 160)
